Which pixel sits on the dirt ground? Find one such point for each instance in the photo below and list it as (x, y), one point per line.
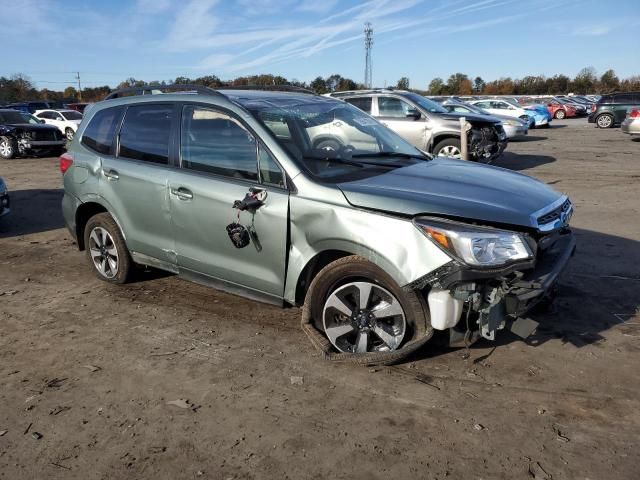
(87, 370)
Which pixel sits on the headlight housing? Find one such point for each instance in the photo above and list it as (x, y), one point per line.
(476, 246)
(513, 123)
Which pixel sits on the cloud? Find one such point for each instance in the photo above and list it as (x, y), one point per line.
(591, 30)
(316, 6)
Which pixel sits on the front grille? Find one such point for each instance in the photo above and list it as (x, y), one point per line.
(555, 215)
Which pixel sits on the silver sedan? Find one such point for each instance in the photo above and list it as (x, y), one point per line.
(631, 124)
(513, 127)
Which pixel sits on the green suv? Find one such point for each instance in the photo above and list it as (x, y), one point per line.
(380, 243)
(611, 109)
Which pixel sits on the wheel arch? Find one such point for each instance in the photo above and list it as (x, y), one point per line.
(311, 269)
(440, 137)
(88, 209)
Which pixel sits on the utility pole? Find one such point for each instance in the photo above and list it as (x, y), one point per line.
(368, 43)
(79, 87)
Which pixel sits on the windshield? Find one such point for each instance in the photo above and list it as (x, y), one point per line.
(333, 138)
(72, 115)
(425, 103)
(17, 117)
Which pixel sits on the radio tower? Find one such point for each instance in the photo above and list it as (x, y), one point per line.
(368, 43)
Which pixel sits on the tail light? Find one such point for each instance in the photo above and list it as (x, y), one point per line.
(593, 108)
(66, 160)
(635, 113)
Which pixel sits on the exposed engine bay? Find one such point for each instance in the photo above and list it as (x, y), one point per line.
(485, 142)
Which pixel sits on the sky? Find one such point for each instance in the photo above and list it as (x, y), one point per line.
(108, 41)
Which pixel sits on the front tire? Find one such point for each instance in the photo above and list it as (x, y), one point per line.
(449, 147)
(560, 114)
(106, 250)
(604, 121)
(359, 311)
(8, 147)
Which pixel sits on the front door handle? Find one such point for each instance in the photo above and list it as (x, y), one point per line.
(182, 193)
(111, 174)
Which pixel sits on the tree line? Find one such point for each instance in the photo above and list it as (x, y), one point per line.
(19, 87)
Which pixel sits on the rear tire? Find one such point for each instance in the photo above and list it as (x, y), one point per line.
(328, 144)
(106, 249)
(560, 114)
(371, 321)
(8, 147)
(68, 133)
(604, 121)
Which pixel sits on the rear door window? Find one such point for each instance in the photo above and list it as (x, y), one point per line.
(214, 142)
(145, 133)
(363, 103)
(623, 98)
(98, 136)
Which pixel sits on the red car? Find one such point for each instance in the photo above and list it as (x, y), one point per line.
(558, 110)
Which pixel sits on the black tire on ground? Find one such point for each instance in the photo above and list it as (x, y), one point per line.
(8, 147)
(560, 114)
(356, 268)
(328, 144)
(604, 121)
(448, 142)
(124, 263)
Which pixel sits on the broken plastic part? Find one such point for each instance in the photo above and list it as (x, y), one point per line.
(444, 310)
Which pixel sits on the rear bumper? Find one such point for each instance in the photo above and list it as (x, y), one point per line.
(631, 126)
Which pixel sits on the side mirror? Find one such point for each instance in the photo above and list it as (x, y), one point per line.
(41, 121)
(59, 119)
(414, 113)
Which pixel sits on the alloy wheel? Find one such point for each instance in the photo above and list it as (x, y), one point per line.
(362, 317)
(6, 150)
(69, 134)
(450, 151)
(560, 114)
(604, 121)
(103, 252)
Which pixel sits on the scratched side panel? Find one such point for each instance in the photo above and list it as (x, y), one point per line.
(394, 244)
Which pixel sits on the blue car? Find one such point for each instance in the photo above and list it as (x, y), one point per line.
(540, 114)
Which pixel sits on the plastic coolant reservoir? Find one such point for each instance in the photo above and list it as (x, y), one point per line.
(444, 309)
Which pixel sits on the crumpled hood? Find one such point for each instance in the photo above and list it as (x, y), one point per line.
(453, 188)
(470, 117)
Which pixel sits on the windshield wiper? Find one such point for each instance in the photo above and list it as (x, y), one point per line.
(335, 160)
(390, 155)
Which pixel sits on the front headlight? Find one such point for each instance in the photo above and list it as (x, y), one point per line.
(513, 123)
(476, 246)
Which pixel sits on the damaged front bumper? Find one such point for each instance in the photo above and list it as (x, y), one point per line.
(464, 299)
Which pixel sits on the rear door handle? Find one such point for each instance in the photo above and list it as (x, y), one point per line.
(111, 174)
(182, 193)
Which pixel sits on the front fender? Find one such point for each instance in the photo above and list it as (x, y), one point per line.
(392, 243)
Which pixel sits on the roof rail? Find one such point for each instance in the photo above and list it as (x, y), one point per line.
(342, 93)
(273, 88)
(150, 89)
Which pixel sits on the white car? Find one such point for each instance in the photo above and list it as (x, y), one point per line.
(501, 107)
(67, 121)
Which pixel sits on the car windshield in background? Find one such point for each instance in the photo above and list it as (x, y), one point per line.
(425, 103)
(16, 117)
(72, 115)
(334, 138)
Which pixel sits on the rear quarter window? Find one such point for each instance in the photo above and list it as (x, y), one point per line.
(98, 136)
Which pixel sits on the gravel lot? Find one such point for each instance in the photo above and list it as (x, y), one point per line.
(91, 368)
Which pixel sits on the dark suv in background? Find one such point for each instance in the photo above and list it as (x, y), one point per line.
(612, 109)
(427, 125)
